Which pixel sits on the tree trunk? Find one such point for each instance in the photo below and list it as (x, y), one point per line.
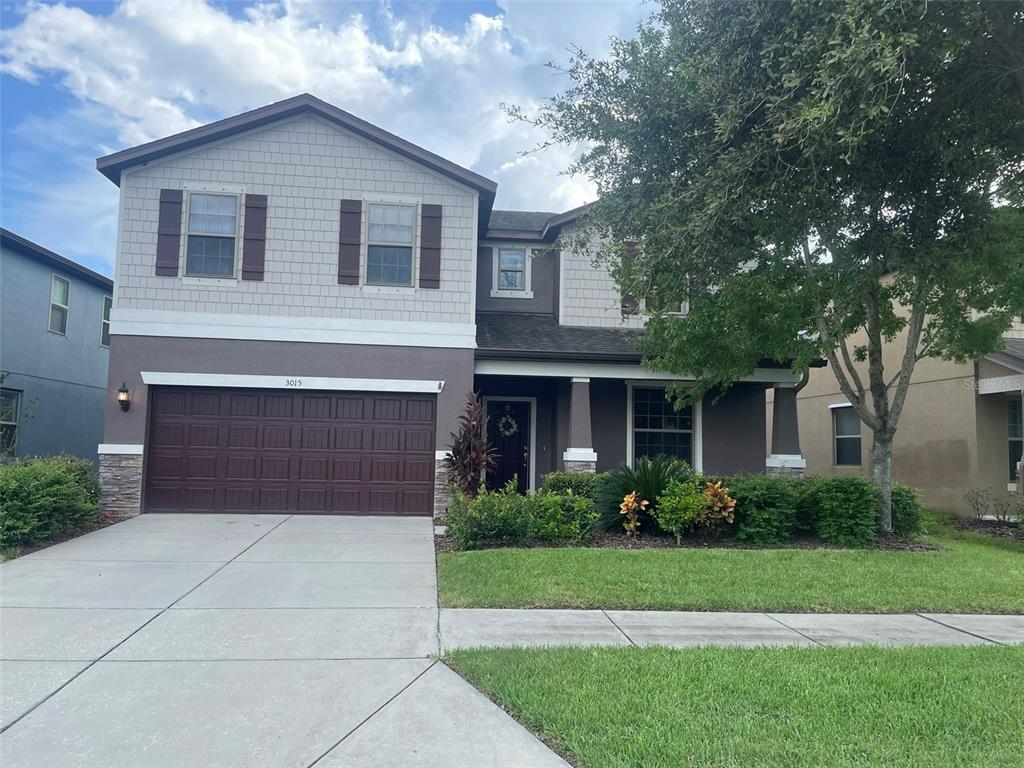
(881, 473)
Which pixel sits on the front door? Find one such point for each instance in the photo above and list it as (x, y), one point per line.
(508, 430)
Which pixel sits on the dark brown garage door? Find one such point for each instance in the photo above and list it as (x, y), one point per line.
(238, 450)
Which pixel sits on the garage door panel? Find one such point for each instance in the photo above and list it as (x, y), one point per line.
(215, 450)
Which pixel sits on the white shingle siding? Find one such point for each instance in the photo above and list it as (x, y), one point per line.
(305, 166)
(589, 296)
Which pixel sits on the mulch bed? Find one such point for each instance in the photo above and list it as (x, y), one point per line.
(606, 540)
(992, 528)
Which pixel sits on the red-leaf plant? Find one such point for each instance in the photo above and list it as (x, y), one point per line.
(470, 453)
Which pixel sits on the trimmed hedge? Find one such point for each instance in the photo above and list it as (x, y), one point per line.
(765, 508)
(907, 511)
(508, 517)
(41, 498)
(844, 508)
(580, 483)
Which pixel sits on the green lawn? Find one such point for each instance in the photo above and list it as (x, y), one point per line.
(784, 708)
(977, 574)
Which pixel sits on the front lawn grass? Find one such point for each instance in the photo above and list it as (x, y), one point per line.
(779, 707)
(975, 574)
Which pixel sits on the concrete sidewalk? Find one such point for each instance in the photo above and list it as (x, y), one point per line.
(472, 627)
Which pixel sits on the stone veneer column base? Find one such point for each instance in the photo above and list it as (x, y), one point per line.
(121, 484)
(580, 466)
(785, 465)
(442, 498)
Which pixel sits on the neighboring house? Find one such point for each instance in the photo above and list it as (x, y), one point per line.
(961, 426)
(55, 316)
(304, 302)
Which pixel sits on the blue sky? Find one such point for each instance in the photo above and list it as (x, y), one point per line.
(82, 79)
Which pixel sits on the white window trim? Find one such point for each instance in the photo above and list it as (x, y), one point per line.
(532, 464)
(364, 248)
(859, 437)
(511, 293)
(17, 419)
(105, 321)
(227, 191)
(66, 307)
(1010, 440)
(698, 423)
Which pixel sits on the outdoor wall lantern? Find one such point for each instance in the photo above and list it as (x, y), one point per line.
(124, 397)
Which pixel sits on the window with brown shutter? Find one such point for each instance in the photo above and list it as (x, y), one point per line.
(350, 223)
(254, 238)
(430, 246)
(168, 238)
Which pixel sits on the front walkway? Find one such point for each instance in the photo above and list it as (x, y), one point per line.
(238, 640)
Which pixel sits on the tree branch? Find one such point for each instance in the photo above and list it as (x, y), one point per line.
(915, 326)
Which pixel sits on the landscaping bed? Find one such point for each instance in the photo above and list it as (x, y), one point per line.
(787, 708)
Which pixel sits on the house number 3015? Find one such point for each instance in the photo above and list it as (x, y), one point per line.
(293, 382)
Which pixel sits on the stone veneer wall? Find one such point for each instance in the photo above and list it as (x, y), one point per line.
(581, 466)
(121, 484)
(442, 498)
(795, 472)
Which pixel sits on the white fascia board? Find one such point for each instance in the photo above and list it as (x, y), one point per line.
(123, 449)
(177, 379)
(330, 330)
(999, 384)
(583, 370)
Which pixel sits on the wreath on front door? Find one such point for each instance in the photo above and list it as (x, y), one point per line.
(508, 426)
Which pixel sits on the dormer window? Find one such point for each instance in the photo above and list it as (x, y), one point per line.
(511, 269)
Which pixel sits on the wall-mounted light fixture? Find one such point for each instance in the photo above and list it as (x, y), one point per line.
(124, 397)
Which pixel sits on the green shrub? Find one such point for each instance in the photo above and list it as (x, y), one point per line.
(580, 483)
(42, 498)
(508, 517)
(649, 479)
(766, 508)
(845, 508)
(907, 512)
(680, 506)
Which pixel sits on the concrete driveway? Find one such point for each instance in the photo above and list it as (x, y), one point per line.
(239, 640)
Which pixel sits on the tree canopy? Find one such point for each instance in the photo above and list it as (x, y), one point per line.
(801, 172)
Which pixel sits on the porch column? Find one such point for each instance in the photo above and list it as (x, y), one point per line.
(785, 459)
(580, 456)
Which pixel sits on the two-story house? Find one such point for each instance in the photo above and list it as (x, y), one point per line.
(303, 302)
(55, 316)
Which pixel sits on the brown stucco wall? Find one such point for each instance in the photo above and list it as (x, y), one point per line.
(543, 282)
(733, 431)
(129, 355)
(608, 421)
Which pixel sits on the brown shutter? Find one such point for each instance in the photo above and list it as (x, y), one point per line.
(430, 246)
(254, 238)
(168, 233)
(629, 303)
(348, 241)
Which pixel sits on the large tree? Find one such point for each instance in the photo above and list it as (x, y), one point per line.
(817, 179)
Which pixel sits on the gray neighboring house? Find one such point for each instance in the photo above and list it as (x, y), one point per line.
(55, 347)
(304, 301)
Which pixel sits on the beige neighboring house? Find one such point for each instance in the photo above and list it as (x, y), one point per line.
(961, 426)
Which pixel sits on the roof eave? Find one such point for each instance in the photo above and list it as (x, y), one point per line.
(34, 250)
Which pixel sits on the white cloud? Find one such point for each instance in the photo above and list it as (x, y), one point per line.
(150, 69)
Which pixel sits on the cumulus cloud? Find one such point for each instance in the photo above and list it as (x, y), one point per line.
(149, 69)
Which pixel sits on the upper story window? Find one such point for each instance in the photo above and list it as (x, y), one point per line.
(10, 410)
(1015, 414)
(658, 428)
(212, 229)
(391, 233)
(846, 432)
(511, 270)
(105, 321)
(60, 301)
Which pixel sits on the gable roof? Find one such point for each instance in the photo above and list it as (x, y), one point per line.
(35, 251)
(112, 165)
(1012, 354)
(538, 226)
